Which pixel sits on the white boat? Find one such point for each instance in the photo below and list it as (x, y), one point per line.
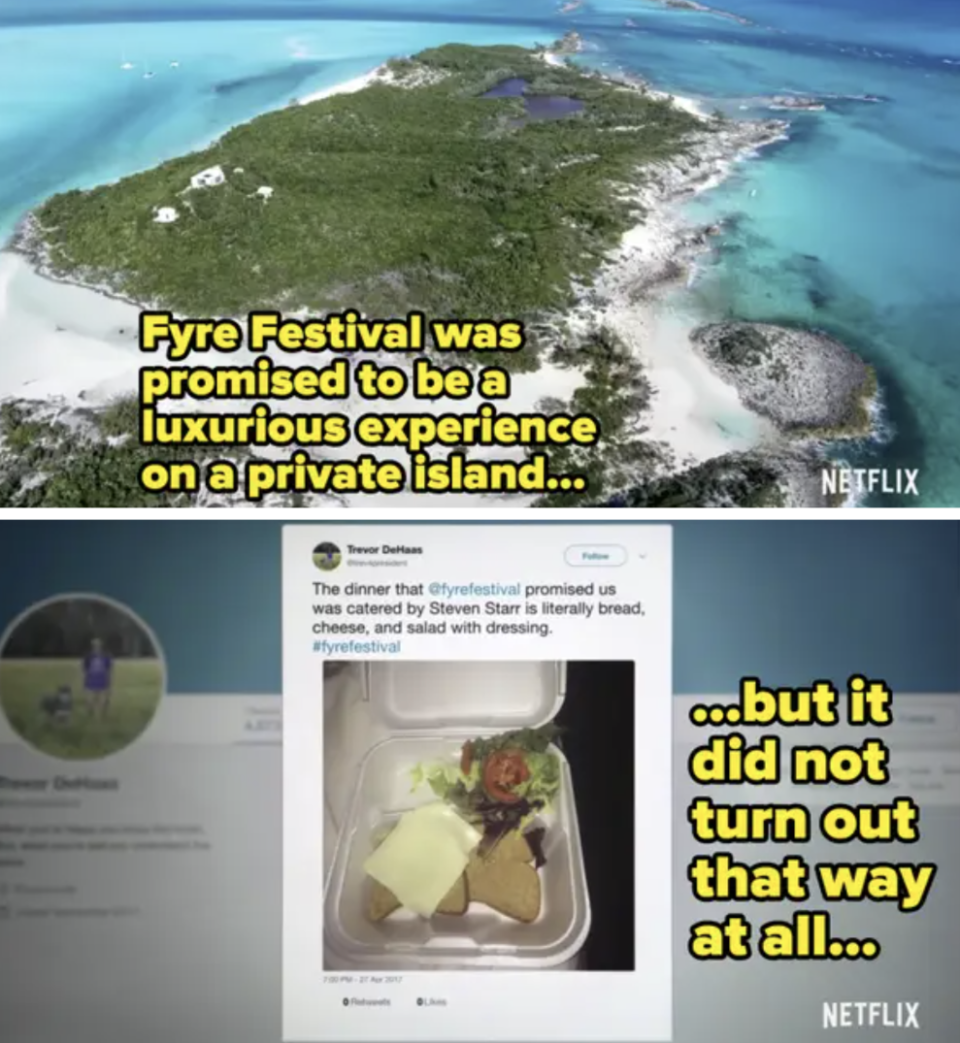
(174, 65)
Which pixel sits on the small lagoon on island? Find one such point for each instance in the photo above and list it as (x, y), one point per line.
(538, 106)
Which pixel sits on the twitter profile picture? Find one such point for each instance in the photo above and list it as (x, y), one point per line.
(81, 677)
(327, 556)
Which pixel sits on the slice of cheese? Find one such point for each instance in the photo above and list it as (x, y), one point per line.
(424, 856)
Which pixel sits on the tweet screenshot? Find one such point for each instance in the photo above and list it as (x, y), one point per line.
(469, 685)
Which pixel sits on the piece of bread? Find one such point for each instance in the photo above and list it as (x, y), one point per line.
(508, 885)
(512, 847)
(383, 902)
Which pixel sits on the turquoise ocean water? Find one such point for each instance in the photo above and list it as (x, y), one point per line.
(849, 226)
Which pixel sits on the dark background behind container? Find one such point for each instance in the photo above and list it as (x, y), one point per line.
(598, 740)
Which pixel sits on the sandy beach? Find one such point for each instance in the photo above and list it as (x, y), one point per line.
(73, 346)
(347, 87)
(59, 341)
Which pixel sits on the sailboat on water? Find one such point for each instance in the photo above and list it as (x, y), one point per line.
(124, 64)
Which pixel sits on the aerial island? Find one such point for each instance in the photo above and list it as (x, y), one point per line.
(465, 182)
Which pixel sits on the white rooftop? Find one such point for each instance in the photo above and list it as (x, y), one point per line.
(208, 178)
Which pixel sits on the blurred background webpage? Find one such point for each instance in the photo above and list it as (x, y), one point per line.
(140, 895)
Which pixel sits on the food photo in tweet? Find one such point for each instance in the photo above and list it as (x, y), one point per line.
(454, 695)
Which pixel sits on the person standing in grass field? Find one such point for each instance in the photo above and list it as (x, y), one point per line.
(98, 678)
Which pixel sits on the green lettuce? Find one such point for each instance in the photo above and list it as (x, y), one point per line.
(449, 783)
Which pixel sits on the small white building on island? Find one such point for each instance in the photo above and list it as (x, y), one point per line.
(265, 192)
(165, 215)
(208, 178)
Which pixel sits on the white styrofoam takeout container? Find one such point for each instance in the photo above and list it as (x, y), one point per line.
(430, 710)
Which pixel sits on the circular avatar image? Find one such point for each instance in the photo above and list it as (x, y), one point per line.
(327, 557)
(81, 677)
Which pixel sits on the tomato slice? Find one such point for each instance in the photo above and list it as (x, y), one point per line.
(503, 771)
(466, 758)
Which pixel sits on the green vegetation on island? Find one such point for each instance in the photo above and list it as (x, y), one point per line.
(616, 392)
(416, 192)
(82, 458)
